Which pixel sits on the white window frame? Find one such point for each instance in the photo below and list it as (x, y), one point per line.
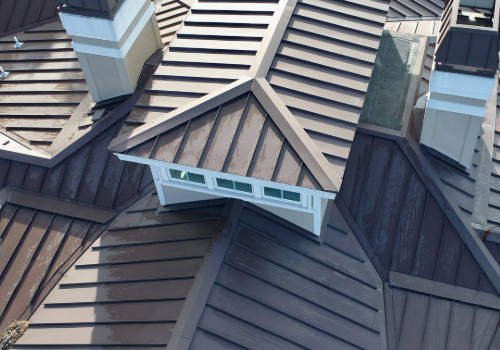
(185, 181)
(310, 199)
(231, 190)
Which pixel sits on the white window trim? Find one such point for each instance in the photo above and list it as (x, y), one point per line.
(231, 190)
(310, 199)
(185, 181)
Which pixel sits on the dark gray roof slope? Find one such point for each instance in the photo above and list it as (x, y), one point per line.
(264, 283)
(415, 10)
(402, 220)
(239, 137)
(429, 322)
(322, 68)
(277, 289)
(129, 288)
(16, 15)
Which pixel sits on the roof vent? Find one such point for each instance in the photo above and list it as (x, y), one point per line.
(3, 74)
(461, 83)
(112, 49)
(18, 44)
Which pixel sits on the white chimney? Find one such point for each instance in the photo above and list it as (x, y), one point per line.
(462, 81)
(112, 44)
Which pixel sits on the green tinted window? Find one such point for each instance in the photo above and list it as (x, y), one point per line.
(179, 175)
(272, 192)
(200, 179)
(243, 187)
(185, 176)
(234, 185)
(225, 183)
(291, 196)
(281, 194)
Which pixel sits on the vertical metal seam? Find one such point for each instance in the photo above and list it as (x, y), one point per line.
(8, 224)
(363, 190)
(44, 279)
(17, 247)
(211, 134)
(9, 16)
(383, 195)
(460, 263)
(404, 317)
(110, 154)
(62, 177)
(154, 145)
(43, 178)
(426, 322)
(33, 258)
(398, 233)
(472, 327)
(253, 160)
(181, 144)
(25, 11)
(449, 325)
(84, 168)
(5, 177)
(232, 146)
(40, 10)
(420, 232)
(440, 246)
(119, 182)
(24, 175)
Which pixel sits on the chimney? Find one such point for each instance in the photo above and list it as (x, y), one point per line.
(112, 40)
(462, 80)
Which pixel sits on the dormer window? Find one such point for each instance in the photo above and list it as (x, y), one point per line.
(224, 184)
(288, 196)
(187, 176)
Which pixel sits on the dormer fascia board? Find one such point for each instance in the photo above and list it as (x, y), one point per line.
(311, 200)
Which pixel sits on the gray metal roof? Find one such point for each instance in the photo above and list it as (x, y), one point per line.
(405, 222)
(317, 57)
(17, 15)
(263, 283)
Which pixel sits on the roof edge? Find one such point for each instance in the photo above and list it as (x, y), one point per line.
(298, 138)
(180, 115)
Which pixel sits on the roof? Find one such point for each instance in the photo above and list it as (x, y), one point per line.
(406, 221)
(49, 216)
(239, 137)
(44, 88)
(221, 273)
(319, 92)
(45, 106)
(17, 15)
(420, 319)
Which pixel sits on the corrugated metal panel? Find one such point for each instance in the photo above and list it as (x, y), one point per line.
(322, 68)
(276, 289)
(44, 87)
(238, 137)
(423, 321)
(215, 46)
(400, 219)
(16, 14)
(129, 288)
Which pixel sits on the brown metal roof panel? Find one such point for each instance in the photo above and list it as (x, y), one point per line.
(179, 85)
(288, 166)
(221, 134)
(414, 321)
(307, 179)
(6, 214)
(126, 291)
(196, 137)
(74, 172)
(203, 340)
(133, 311)
(312, 104)
(144, 252)
(166, 100)
(470, 271)
(179, 231)
(246, 138)
(353, 9)
(21, 14)
(324, 125)
(15, 174)
(330, 145)
(107, 334)
(168, 143)
(266, 152)
(317, 72)
(272, 321)
(135, 271)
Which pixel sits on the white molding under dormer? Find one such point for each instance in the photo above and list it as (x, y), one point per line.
(311, 200)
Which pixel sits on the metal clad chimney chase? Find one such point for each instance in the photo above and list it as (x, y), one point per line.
(112, 40)
(462, 81)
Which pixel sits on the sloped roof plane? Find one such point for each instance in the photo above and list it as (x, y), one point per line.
(310, 71)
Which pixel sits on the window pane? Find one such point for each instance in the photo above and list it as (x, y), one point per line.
(291, 196)
(200, 179)
(243, 187)
(272, 192)
(225, 183)
(177, 174)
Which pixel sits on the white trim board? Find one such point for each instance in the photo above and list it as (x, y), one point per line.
(311, 200)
